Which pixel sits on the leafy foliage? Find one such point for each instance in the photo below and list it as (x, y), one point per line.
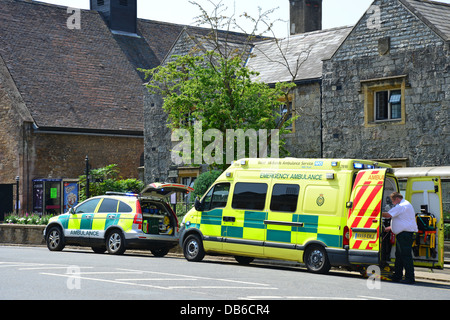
(108, 179)
(218, 91)
(204, 181)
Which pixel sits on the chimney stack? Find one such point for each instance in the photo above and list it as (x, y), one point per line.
(121, 15)
(305, 15)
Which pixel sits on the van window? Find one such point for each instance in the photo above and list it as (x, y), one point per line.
(284, 197)
(249, 196)
(217, 197)
(389, 186)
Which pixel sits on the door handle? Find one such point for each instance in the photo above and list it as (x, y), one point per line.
(229, 219)
(110, 216)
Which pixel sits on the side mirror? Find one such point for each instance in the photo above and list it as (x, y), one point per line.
(198, 205)
(72, 211)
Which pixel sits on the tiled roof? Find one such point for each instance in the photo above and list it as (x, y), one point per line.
(78, 79)
(435, 14)
(301, 57)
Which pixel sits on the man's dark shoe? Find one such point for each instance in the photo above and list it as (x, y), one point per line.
(408, 281)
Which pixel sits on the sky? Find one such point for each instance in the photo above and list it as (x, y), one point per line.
(336, 13)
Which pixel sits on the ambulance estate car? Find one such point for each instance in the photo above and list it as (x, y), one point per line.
(321, 212)
(118, 221)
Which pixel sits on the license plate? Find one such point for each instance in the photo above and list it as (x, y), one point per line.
(365, 236)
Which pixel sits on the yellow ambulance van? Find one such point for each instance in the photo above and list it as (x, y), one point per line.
(322, 212)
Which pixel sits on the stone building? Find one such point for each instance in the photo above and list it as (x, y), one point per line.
(359, 90)
(298, 59)
(378, 90)
(69, 88)
(386, 89)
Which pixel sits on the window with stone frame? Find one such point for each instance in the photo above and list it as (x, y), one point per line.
(387, 105)
(384, 100)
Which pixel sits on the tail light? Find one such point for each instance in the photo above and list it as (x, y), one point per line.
(346, 238)
(138, 216)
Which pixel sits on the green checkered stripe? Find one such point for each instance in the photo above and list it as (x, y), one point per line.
(86, 224)
(255, 219)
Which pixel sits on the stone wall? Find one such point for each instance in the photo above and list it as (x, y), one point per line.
(305, 139)
(21, 234)
(416, 55)
(157, 140)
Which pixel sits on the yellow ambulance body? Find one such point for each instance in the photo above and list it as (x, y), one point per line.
(323, 212)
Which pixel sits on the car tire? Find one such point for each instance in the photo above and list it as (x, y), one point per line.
(160, 252)
(55, 239)
(193, 248)
(316, 259)
(115, 242)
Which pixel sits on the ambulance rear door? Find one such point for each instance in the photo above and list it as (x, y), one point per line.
(364, 217)
(425, 194)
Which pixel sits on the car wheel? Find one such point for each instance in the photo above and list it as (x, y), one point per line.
(55, 239)
(316, 259)
(161, 252)
(115, 242)
(193, 248)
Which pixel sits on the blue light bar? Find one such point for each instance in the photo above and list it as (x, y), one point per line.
(357, 165)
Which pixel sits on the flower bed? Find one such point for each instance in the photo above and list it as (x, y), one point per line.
(29, 219)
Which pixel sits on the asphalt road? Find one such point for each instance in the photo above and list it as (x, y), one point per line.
(36, 273)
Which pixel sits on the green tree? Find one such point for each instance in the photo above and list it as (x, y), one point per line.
(108, 179)
(215, 87)
(203, 182)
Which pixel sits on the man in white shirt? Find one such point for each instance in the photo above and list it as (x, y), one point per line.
(403, 225)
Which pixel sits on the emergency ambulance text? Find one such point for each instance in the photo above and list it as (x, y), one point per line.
(291, 176)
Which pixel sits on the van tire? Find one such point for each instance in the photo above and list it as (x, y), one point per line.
(115, 242)
(316, 259)
(193, 248)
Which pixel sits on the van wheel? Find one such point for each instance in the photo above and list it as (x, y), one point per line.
(115, 242)
(316, 259)
(193, 248)
(244, 260)
(55, 239)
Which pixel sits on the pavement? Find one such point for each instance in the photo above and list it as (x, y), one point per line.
(421, 274)
(425, 274)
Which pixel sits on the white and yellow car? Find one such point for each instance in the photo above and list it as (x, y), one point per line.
(118, 221)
